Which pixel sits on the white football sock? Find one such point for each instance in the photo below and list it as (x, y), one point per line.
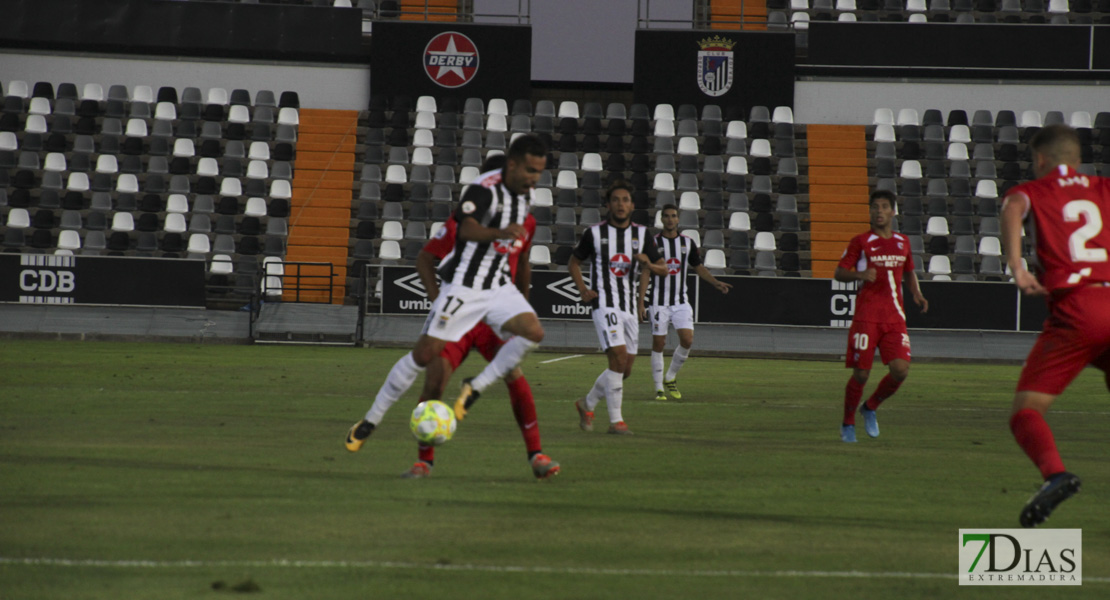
(657, 370)
(677, 360)
(399, 380)
(508, 358)
(614, 395)
(597, 392)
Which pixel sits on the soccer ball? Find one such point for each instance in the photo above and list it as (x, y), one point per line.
(433, 422)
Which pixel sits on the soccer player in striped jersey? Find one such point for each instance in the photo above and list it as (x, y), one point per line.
(879, 258)
(615, 250)
(1064, 211)
(477, 285)
(670, 304)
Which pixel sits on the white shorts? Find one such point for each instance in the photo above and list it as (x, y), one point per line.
(458, 309)
(616, 327)
(681, 315)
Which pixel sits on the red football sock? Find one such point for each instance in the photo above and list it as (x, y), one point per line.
(1035, 437)
(886, 389)
(427, 453)
(852, 394)
(524, 409)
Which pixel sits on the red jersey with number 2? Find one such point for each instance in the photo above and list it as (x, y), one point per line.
(879, 301)
(1069, 211)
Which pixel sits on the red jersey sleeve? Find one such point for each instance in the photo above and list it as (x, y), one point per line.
(443, 242)
(530, 227)
(851, 257)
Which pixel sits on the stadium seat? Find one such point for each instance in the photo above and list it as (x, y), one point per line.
(939, 265)
(937, 226)
(739, 221)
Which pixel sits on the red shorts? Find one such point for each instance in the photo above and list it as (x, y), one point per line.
(1076, 333)
(863, 337)
(481, 337)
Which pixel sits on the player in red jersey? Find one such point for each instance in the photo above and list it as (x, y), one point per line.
(879, 258)
(480, 337)
(1066, 212)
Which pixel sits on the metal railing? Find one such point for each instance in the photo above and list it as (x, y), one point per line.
(278, 282)
(464, 12)
(701, 18)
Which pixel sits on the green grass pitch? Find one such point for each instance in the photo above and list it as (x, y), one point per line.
(180, 471)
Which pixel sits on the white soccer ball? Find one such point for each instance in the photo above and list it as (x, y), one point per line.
(433, 422)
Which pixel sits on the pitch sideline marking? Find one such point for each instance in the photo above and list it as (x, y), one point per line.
(327, 564)
(554, 360)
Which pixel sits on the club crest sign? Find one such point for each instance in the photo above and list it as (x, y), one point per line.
(715, 62)
(451, 59)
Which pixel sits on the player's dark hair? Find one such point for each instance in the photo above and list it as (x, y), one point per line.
(497, 161)
(667, 207)
(875, 195)
(527, 145)
(1058, 142)
(618, 184)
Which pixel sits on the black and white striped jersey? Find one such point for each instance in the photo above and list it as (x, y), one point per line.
(485, 265)
(614, 273)
(680, 253)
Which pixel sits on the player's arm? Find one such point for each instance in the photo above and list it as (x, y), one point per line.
(575, 271)
(651, 259)
(524, 264)
(1013, 213)
(915, 290)
(848, 275)
(656, 268)
(642, 294)
(713, 281)
(426, 268)
(845, 270)
(470, 230)
(582, 251)
(523, 274)
(474, 204)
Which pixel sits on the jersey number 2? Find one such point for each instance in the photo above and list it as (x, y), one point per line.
(1077, 242)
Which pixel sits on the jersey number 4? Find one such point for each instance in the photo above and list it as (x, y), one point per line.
(1077, 242)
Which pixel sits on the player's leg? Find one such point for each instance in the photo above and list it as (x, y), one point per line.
(894, 348)
(508, 313)
(616, 367)
(859, 357)
(613, 378)
(660, 320)
(439, 371)
(1035, 437)
(681, 353)
(400, 379)
(524, 411)
(1102, 363)
(1076, 334)
(445, 323)
(435, 380)
(621, 358)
